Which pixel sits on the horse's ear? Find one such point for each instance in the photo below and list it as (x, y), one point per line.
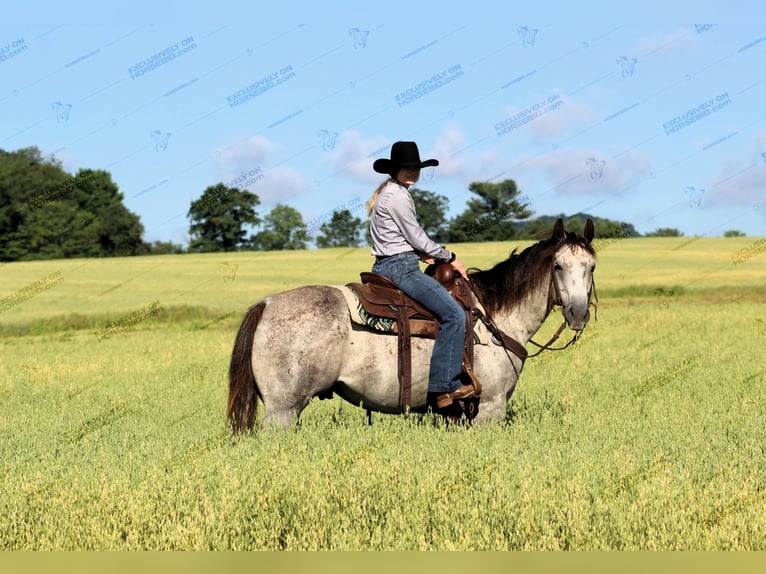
(558, 229)
(589, 230)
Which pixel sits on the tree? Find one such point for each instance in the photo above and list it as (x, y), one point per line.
(431, 210)
(733, 233)
(283, 228)
(604, 228)
(540, 227)
(219, 219)
(343, 230)
(665, 232)
(117, 230)
(46, 213)
(488, 216)
(164, 248)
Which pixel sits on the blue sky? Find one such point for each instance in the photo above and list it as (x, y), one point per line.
(653, 113)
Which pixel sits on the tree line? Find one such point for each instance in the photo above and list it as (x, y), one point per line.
(47, 213)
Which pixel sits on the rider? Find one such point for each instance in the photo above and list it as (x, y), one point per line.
(398, 244)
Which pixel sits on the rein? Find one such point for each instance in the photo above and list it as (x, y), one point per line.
(512, 345)
(592, 302)
(547, 346)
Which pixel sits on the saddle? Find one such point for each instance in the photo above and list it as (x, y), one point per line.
(380, 297)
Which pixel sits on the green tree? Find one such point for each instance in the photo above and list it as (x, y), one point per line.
(283, 228)
(46, 213)
(540, 227)
(431, 210)
(343, 230)
(604, 228)
(117, 231)
(733, 233)
(164, 248)
(665, 232)
(219, 219)
(489, 215)
(26, 180)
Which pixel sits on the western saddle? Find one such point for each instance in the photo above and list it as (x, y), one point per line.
(380, 297)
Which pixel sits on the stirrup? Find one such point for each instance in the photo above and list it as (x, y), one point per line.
(473, 378)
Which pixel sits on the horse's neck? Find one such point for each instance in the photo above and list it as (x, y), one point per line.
(523, 319)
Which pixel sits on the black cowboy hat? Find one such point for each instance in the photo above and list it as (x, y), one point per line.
(403, 154)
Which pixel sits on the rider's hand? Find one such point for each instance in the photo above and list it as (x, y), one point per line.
(457, 264)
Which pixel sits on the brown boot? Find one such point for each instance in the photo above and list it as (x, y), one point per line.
(446, 399)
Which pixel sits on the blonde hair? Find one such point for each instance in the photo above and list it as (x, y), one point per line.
(374, 198)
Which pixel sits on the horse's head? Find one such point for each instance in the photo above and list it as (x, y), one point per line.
(573, 267)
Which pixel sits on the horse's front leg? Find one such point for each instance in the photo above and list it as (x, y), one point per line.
(491, 408)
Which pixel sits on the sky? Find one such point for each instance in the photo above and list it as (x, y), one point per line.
(651, 113)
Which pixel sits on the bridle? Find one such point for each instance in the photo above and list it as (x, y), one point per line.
(592, 301)
(511, 345)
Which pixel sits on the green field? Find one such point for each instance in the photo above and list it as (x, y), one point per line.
(650, 433)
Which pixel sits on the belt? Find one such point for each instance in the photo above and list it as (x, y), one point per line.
(379, 258)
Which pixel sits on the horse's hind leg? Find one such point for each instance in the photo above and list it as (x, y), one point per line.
(283, 417)
(298, 350)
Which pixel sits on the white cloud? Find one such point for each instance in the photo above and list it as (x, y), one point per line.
(571, 114)
(253, 163)
(246, 153)
(281, 185)
(742, 181)
(578, 171)
(449, 143)
(558, 114)
(664, 44)
(354, 156)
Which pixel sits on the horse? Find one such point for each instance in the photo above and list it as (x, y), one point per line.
(299, 344)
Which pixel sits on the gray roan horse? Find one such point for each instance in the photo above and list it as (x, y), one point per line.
(299, 344)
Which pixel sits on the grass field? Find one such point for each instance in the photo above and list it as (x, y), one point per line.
(650, 433)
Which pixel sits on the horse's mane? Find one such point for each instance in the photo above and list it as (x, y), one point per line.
(511, 281)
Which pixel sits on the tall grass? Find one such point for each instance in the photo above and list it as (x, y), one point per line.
(647, 434)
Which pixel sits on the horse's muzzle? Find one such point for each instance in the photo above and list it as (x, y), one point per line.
(577, 316)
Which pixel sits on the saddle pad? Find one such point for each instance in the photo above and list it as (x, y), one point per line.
(359, 316)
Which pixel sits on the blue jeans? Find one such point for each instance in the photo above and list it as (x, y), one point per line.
(447, 355)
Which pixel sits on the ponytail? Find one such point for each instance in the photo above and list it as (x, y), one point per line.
(374, 198)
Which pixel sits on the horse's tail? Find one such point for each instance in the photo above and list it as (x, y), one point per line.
(243, 392)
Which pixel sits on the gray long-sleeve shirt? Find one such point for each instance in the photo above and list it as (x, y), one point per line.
(394, 226)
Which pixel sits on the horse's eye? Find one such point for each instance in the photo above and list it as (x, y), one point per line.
(557, 267)
(592, 269)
